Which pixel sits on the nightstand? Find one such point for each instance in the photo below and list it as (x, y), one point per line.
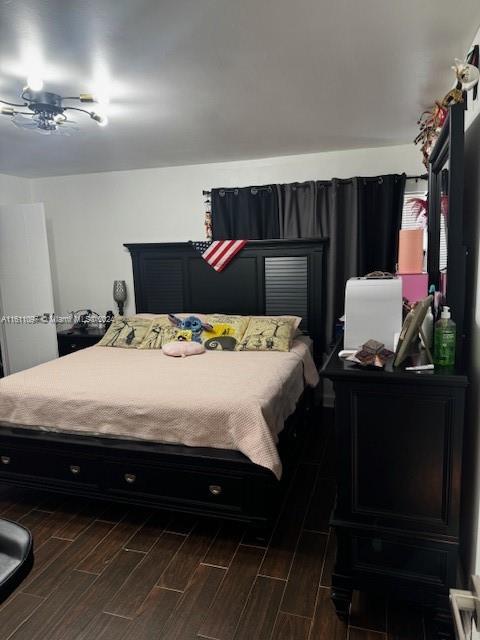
(71, 340)
(399, 469)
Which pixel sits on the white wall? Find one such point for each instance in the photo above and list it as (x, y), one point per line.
(14, 190)
(90, 216)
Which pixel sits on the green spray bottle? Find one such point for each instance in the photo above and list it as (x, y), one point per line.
(445, 338)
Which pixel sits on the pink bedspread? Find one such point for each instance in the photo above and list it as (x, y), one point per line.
(218, 399)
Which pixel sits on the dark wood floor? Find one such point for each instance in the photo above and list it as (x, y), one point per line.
(105, 572)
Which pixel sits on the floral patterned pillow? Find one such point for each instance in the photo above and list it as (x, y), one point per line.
(173, 328)
(154, 337)
(269, 333)
(126, 333)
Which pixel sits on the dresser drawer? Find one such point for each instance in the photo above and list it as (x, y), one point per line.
(224, 491)
(411, 561)
(48, 466)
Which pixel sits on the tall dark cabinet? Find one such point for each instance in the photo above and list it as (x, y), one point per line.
(399, 460)
(399, 436)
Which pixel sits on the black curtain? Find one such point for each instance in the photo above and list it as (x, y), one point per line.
(297, 204)
(361, 217)
(250, 213)
(380, 210)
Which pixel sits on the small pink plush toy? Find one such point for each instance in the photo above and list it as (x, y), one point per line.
(182, 349)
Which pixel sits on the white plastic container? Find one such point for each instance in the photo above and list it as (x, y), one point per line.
(373, 309)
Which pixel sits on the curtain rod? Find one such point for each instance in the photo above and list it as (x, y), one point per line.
(236, 189)
(423, 176)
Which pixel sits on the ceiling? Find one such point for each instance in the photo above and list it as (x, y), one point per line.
(195, 81)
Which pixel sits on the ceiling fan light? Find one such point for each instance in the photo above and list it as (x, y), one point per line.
(35, 83)
(102, 121)
(45, 112)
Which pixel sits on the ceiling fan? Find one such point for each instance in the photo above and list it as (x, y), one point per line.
(45, 112)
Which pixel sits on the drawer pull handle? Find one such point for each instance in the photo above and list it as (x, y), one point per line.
(75, 469)
(5, 459)
(130, 478)
(215, 489)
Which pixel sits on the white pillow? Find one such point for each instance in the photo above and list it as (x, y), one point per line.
(183, 348)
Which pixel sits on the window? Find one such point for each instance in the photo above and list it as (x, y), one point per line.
(409, 213)
(411, 221)
(443, 244)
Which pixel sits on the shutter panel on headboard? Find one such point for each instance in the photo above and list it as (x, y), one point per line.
(162, 282)
(286, 286)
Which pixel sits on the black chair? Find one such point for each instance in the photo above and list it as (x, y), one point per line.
(16, 556)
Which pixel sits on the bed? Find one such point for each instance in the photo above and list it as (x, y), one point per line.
(89, 424)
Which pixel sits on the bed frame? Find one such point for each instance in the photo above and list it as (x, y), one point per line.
(266, 277)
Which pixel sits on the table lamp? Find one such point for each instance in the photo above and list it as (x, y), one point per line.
(120, 294)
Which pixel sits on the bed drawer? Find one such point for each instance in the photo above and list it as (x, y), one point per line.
(224, 491)
(48, 466)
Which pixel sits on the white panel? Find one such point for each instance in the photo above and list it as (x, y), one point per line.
(25, 287)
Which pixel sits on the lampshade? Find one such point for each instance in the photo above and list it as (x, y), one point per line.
(119, 290)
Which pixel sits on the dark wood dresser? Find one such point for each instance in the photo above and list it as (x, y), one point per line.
(399, 462)
(71, 340)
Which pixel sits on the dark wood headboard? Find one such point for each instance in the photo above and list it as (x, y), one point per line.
(268, 277)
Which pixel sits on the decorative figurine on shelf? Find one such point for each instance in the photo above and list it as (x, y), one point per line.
(430, 123)
(120, 294)
(467, 75)
(431, 120)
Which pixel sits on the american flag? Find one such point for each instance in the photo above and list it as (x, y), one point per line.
(219, 253)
